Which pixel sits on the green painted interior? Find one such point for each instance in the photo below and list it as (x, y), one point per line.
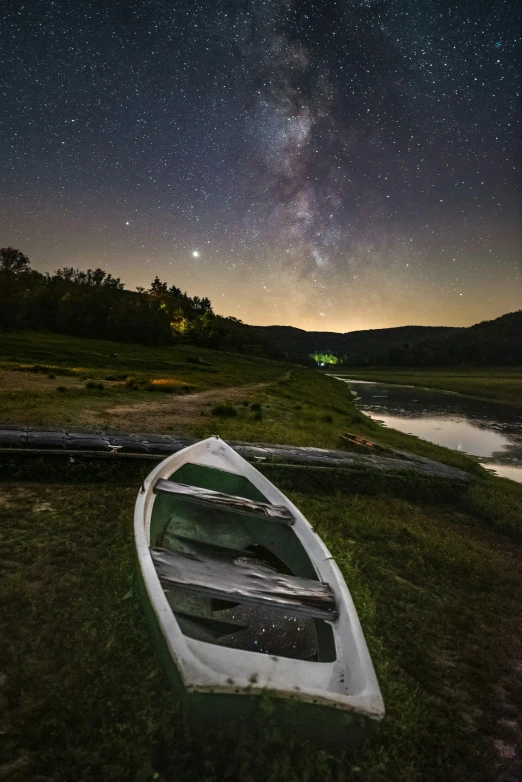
(218, 480)
(183, 525)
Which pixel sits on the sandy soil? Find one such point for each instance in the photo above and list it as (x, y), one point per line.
(174, 413)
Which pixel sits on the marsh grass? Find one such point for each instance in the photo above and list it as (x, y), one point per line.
(437, 590)
(503, 384)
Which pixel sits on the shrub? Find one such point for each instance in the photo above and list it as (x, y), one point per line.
(132, 383)
(327, 419)
(92, 384)
(255, 407)
(169, 385)
(224, 411)
(258, 415)
(61, 389)
(51, 376)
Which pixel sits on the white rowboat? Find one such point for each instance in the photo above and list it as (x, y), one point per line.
(245, 598)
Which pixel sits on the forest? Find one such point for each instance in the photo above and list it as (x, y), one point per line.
(95, 304)
(489, 343)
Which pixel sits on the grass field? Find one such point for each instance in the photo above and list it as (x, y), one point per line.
(434, 568)
(267, 401)
(500, 384)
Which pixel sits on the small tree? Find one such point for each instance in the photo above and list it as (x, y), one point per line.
(14, 272)
(13, 262)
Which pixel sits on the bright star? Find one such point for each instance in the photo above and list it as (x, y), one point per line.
(195, 254)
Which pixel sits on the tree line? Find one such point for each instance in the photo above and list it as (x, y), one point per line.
(95, 304)
(489, 343)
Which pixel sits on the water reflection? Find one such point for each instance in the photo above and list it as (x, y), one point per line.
(489, 430)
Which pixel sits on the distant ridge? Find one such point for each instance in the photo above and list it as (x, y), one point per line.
(361, 345)
(493, 342)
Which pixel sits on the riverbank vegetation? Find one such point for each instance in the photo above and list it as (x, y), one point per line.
(434, 567)
(503, 384)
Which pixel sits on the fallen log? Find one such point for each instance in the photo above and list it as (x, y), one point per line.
(155, 447)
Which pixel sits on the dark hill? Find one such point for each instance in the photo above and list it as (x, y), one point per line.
(492, 342)
(370, 346)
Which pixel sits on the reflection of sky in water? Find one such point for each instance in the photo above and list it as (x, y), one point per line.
(489, 430)
(459, 435)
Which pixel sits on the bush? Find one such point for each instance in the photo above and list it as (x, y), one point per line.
(61, 389)
(51, 376)
(224, 411)
(327, 419)
(91, 384)
(255, 407)
(169, 386)
(132, 383)
(164, 387)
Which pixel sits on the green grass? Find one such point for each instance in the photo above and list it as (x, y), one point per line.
(308, 408)
(500, 384)
(437, 589)
(434, 567)
(287, 404)
(135, 374)
(60, 354)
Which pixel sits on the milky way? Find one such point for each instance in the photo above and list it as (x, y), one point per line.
(331, 165)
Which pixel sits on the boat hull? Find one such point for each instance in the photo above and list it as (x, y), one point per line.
(324, 727)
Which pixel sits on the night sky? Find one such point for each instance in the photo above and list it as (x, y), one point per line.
(327, 165)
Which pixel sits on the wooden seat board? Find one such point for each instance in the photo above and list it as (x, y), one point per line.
(216, 499)
(245, 584)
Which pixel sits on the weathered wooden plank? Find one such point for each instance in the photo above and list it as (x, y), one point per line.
(245, 584)
(217, 499)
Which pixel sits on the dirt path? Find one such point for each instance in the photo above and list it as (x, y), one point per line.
(175, 413)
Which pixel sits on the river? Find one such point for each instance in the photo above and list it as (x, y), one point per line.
(491, 431)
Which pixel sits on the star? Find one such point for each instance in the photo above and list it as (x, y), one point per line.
(195, 254)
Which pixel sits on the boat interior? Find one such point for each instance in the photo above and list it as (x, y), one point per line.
(233, 569)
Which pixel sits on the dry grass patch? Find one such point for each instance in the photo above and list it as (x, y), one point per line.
(179, 415)
(12, 381)
(169, 385)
